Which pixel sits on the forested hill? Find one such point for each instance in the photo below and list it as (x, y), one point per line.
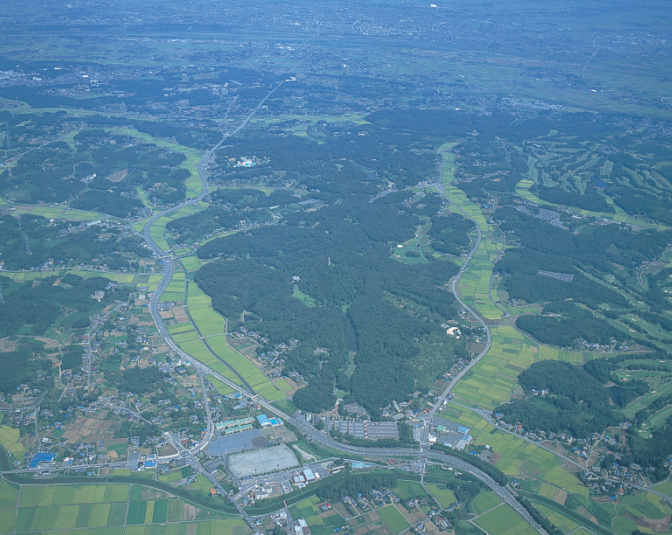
(323, 271)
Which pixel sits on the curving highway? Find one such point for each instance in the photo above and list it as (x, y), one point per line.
(310, 432)
(454, 285)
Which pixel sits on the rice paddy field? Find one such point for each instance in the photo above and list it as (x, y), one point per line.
(503, 521)
(484, 502)
(406, 490)
(127, 279)
(9, 439)
(665, 488)
(212, 326)
(393, 519)
(104, 509)
(191, 263)
(492, 380)
(519, 458)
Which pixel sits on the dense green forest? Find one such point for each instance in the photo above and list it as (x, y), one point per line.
(653, 452)
(450, 234)
(66, 244)
(99, 173)
(354, 485)
(34, 308)
(642, 203)
(231, 208)
(339, 255)
(72, 357)
(245, 198)
(21, 367)
(570, 330)
(138, 380)
(551, 264)
(324, 167)
(576, 401)
(590, 200)
(198, 226)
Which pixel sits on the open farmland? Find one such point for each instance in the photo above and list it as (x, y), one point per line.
(393, 519)
(111, 508)
(503, 521)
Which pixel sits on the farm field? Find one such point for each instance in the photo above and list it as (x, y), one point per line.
(408, 489)
(358, 246)
(108, 509)
(150, 281)
(517, 456)
(503, 521)
(393, 519)
(445, 497)
(484, 502)
(9, 439)
(191, 263)
(492, 380)
(8, 495)
(474, 285)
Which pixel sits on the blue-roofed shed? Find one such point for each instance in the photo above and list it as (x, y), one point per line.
(41, 458)
(263, 420)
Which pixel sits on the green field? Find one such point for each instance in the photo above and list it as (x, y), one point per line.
(407, 490)
(304, 298)
(484, 502)
(445, 497)
(8, 495)
(393, 519)
(492, 380)
(665, 488)
(504, 521)
(191, 263)
(42, 496)
(101, 509)
(60, 213)
(7, 521)
(9, 439)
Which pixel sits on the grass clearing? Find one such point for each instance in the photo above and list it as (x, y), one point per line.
(445, 497)
(407, 490)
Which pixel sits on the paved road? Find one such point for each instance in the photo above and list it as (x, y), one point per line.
(311, 433)
(454, 284)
